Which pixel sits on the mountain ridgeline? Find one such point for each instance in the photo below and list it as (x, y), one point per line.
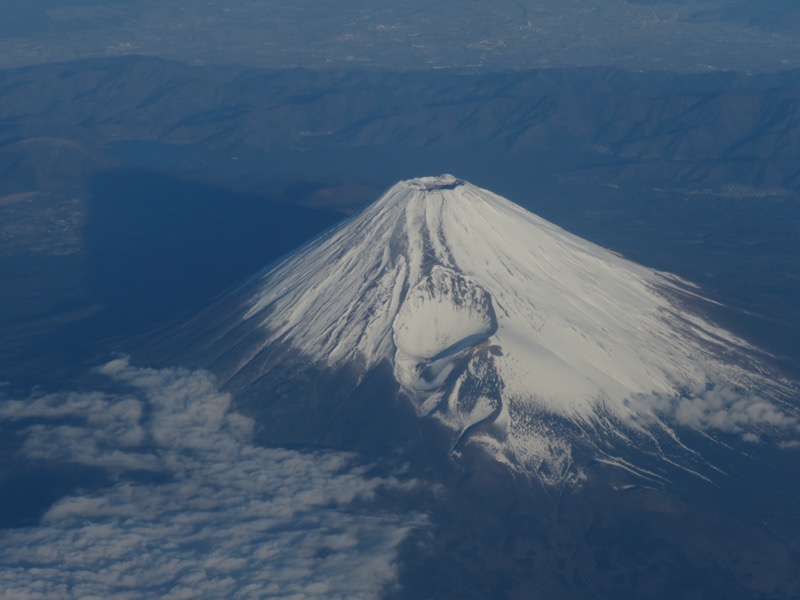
(718, 128)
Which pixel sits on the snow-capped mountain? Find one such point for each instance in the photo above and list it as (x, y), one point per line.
(540, 348)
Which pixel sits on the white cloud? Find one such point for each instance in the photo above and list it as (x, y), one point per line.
(225, 519)
(718, 408)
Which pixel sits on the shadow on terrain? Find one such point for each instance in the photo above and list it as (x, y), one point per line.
(157, 247)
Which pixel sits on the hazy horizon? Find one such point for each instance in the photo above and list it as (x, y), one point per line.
(686, 36)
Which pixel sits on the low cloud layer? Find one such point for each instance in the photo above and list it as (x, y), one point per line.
(720, 408)
(198, 511)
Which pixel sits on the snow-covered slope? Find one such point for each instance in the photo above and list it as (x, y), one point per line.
(517, 336)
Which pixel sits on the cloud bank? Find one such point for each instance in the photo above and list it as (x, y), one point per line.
(198, 511)
(719, 408)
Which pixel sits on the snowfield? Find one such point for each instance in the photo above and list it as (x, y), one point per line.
(519, 336)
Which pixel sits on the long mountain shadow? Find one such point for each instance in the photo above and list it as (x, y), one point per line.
(158, 247)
